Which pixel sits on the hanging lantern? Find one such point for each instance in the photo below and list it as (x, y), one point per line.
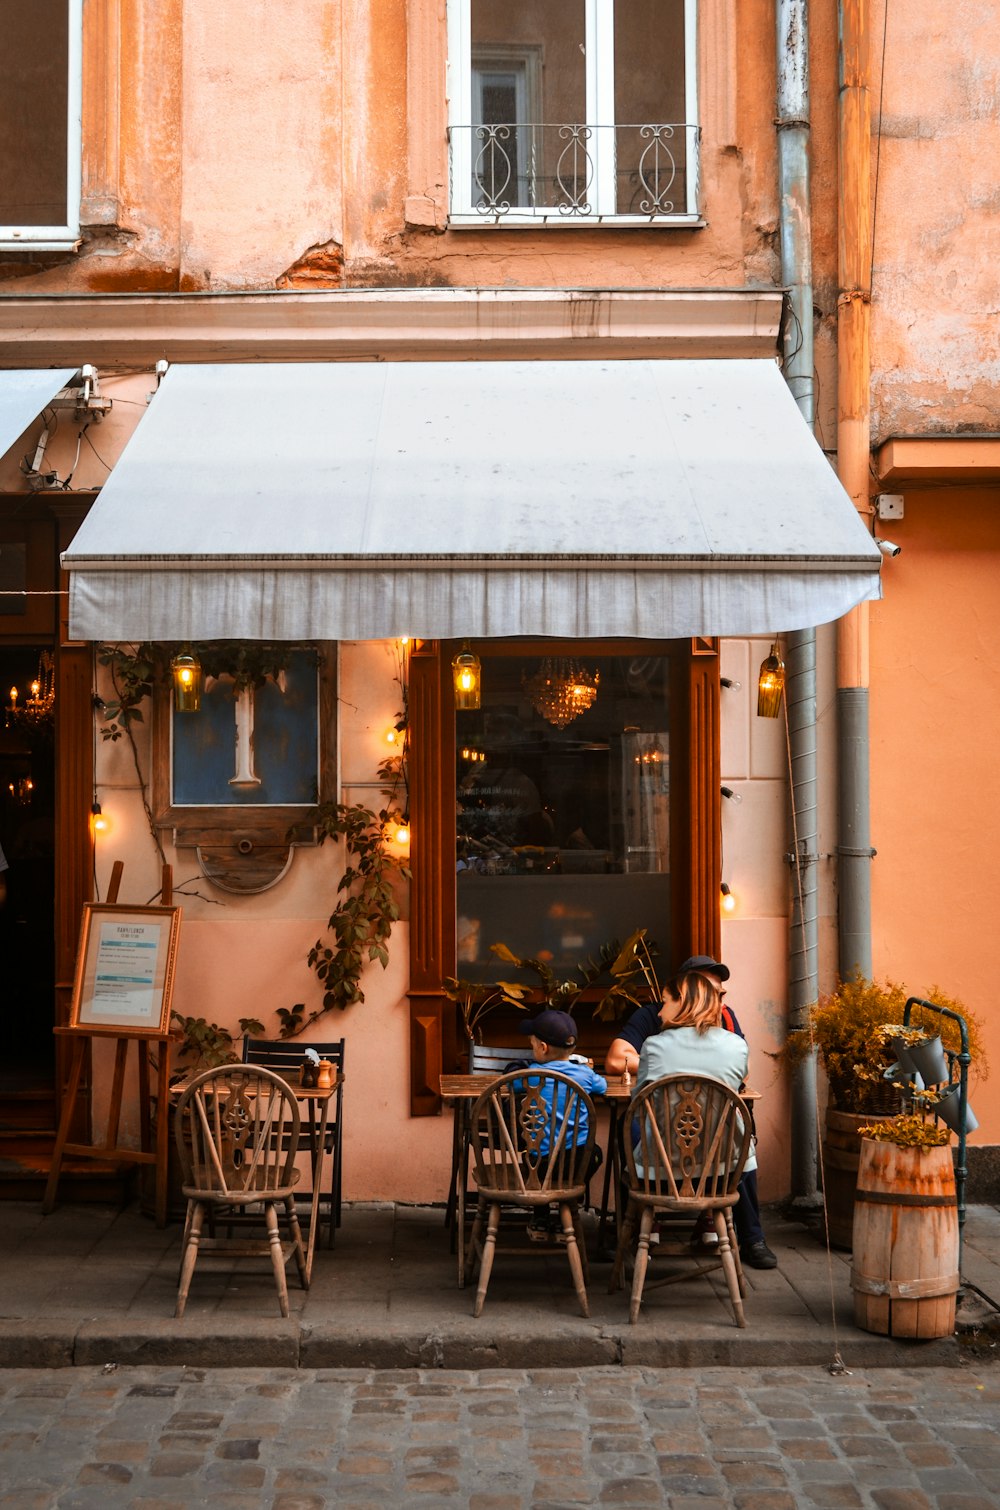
(467, 674)
(186, 670)
(770, 685)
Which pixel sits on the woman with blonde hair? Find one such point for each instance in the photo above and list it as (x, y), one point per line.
(693, 1040)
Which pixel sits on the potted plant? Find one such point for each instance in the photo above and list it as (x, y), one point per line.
(905, 1269)
(853, 1030)
(628, 966)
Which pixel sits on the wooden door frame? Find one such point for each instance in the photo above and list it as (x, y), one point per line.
(695, 831)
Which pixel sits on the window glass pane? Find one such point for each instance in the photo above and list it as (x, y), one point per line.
(650, 106)
(34, 85)
(563, 837)
(13, 577)
(528, 87)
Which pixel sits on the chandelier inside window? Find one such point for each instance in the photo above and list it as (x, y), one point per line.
(561, 690)
(35, 713)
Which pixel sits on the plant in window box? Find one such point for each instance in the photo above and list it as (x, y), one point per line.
(630, 966)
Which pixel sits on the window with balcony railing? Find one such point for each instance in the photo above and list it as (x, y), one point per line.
(573, 111)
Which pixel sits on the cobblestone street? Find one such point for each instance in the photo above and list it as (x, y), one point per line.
(500, 1440)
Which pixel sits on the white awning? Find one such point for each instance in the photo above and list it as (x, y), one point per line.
(480, 499)
(23, 396)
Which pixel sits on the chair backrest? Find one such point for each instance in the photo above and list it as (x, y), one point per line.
(286, 1055)
(693, 1137)
(493, 1059)
(237, 1129)
(532, 1131)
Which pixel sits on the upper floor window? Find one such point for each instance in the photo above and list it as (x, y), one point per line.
(40, 142)
(573, 111)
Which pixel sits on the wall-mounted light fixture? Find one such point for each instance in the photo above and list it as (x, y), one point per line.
(403, 832)
(727, 681)
(186, 671)
(100, 825)
(770, 685)
(732, 796)
(467, 675)
(726, 899)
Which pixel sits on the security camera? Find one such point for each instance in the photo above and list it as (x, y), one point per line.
(887, 547)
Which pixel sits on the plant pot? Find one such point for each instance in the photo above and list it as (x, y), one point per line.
(948, 1110)
(841, 1156)
(928, 1060)
(904, 1272)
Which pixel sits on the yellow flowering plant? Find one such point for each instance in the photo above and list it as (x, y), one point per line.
(851, 1028)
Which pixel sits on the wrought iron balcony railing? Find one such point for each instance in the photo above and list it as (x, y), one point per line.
(568, 172)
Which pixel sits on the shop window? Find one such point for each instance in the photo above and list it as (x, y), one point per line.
(579, 802)
(563, 808)
(40, 123)
(573, 111)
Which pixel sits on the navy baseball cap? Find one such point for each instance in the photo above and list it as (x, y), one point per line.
(705, 963)
(554, 1028)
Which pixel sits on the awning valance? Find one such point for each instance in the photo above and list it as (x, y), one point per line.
(23, 396)
(480, 499)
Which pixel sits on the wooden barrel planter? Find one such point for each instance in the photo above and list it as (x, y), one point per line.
(841, 1155)
(905, 1268)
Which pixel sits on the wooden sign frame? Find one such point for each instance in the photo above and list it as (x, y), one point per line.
(124, 981)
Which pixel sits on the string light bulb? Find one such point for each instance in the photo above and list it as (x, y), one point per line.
(403, 833)
(727, 901)
(100, 825)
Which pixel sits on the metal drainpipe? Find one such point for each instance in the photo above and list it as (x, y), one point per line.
(853, 462)
(800, 647)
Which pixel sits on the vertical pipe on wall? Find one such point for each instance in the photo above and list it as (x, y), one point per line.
(793, 125)
(854, 849)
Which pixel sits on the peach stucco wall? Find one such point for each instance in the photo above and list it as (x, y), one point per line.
(935, 721)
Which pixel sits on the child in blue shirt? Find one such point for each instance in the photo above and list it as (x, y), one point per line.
(553, 1037)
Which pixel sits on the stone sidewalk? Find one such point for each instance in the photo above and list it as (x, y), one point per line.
(92, 1286)
(502, 1439)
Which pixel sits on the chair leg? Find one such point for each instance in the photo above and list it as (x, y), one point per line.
(277, 1257)
(192, 1237)
(624, 1242)
(470, 1250)
(726, 1254)
(581, 1244)
(573, 1254)
(486, 1261)
(734, 1245)
(296, 1231)
(641, 1263)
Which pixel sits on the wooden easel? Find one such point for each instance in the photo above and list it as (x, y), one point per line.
(145, 1046)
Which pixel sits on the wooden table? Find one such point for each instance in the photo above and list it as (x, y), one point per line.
(464, 1090)
(313, 1096)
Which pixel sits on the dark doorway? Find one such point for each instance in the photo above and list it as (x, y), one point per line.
(27, 837)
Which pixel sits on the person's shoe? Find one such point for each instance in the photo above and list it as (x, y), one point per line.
(758, 1256)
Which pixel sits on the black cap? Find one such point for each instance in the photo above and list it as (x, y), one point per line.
(554, 1028)
(705, 964)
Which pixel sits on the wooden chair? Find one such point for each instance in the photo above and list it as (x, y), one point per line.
(285, 1056)
(484, 1059)
(237, 1132)
(694, 1137)
(524, 1130)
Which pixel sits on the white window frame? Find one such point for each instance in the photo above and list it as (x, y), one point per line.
(58, 238)
(600, 107)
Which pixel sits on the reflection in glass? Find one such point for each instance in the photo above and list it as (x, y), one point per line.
(563, 834)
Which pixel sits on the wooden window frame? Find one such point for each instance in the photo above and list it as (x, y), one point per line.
(65, 236)
(247, 823)
(695, 827)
